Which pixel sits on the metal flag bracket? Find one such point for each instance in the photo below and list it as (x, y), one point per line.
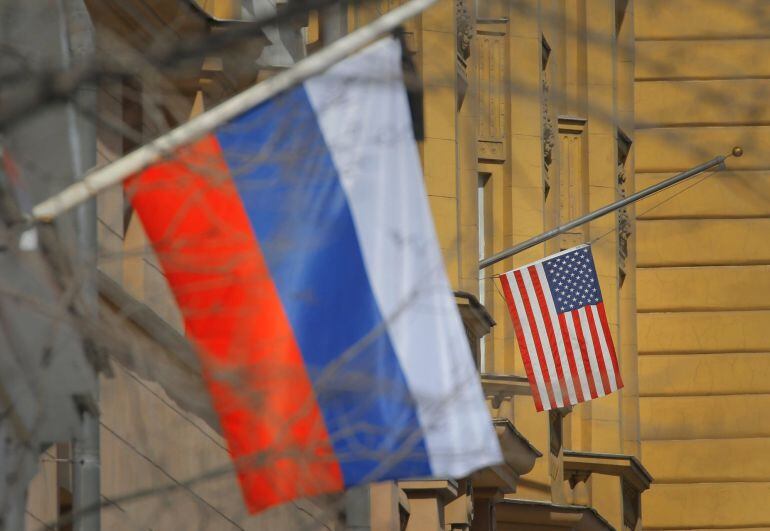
(737, 151)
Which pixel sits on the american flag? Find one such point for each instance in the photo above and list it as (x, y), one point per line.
(562, 330)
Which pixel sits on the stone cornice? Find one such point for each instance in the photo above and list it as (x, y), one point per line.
(579, 465)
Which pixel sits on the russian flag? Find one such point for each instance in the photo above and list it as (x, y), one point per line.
(299, 245)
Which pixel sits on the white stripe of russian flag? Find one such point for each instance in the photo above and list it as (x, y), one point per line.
(381, 176)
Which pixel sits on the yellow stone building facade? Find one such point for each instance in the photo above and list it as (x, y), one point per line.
(530, 127)
(535, 112)
(701, 87)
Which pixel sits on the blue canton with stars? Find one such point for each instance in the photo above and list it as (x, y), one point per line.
(572, 279)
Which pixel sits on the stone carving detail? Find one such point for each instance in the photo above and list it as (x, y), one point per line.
(549, 136)
(624, 220)
(465, 29)
(548, 126)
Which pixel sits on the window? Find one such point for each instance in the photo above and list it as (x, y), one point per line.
(484, 207)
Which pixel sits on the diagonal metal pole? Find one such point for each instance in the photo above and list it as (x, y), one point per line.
(536, 240)
(77, 35)
(121, 169)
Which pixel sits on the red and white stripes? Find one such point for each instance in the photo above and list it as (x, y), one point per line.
(569, 357)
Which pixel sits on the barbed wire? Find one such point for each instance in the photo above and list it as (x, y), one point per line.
(62, 87)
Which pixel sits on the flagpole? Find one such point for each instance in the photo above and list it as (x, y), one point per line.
(119, 170)
(536, 240)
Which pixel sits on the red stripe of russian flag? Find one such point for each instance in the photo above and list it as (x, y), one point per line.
(252, 364)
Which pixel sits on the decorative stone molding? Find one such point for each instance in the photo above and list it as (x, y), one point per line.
(572, 194)
(518, 454)
(458, 513)
(571, 125)
(579, 465)
(433, 502)
(501, 388)
(632, 505)
(531, 514)
(489, 55)
(445, 489)
(493, 151)
(519, 458)
(635, 479)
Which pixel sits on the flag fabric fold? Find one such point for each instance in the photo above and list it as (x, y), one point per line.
(300, 248)
(562, 329)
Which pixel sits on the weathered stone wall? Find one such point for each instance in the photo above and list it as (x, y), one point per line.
(701, 87)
